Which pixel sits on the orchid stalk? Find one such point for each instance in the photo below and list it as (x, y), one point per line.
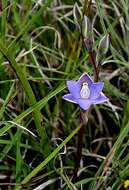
(86, 92)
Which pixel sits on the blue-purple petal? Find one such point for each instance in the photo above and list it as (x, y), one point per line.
(74, 88)
(96, 89)
(100, 99)
(85, 78)
(70, 98)
(84, 104)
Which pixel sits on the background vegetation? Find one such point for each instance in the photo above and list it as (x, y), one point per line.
(41, 48)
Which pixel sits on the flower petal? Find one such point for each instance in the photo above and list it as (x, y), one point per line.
(84, 104)
(70, 98)
(74, 88)
(101, 99)
(96, 89)
(85, 78)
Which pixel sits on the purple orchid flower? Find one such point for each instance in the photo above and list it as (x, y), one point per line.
(85, 92)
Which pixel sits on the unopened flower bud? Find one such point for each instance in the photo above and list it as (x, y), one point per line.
(87, 33)
(86, 27)
(102, 48)
(104, 44)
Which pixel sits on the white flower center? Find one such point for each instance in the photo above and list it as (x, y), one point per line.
(85, 91)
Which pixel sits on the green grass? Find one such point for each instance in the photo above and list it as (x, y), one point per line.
(40, 49)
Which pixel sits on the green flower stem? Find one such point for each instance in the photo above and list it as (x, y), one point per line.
(30, 95)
